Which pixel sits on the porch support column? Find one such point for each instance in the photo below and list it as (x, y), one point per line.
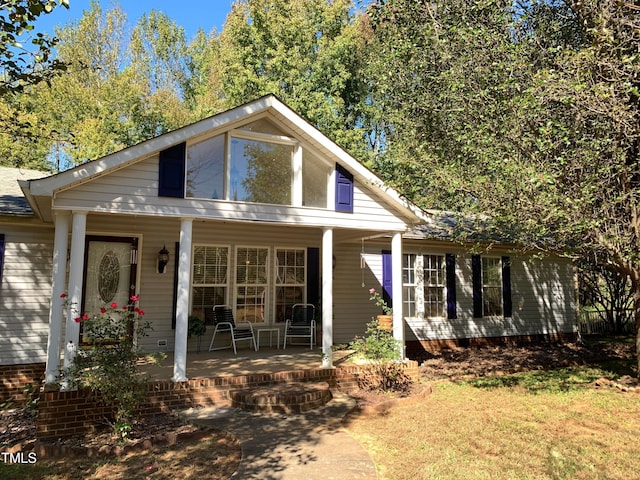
(74, 292)
(182, 302)
(60, 245)
(327, 298)
(396, 266)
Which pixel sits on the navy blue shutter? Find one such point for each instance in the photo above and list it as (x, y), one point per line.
(507, 307)
(174, 309)
(171, 171)
(1, 256)
(344, 190)
(387, 278)
(476, 267)
(450, 264)
(313, 276)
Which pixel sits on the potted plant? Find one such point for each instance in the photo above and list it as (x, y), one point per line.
(385, 321)
(197, 328)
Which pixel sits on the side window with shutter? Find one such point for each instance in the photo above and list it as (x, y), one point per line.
(476, 266)
(450, 261)
(507, 308)
(491, 286)
(344, 190)
(171, 171)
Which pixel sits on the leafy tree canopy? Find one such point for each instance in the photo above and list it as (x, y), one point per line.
(527, 112)
(21, 65)
(308, 52)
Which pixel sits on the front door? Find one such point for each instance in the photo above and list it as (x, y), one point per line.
(110, 272)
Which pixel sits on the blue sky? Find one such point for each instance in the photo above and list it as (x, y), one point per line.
(190, 14)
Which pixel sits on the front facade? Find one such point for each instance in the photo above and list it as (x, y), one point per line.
(258, 210)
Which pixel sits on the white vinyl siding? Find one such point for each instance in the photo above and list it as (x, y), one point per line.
(25, 294)
(542, 293)
(543, 298)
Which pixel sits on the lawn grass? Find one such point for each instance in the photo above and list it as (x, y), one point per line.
(537, 425)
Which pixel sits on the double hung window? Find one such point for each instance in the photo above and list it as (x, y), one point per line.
(290, 281)
(424, 284)
(262, 283)
(491, 287)
(210, 279)
(252, 283)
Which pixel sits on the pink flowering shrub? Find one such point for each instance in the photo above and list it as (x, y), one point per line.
(379, 301)
(106, 363)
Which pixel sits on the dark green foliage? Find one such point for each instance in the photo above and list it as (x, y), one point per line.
(380, 352)
(21, 65)
(525, 112)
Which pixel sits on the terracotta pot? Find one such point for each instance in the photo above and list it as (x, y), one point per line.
(385, 322)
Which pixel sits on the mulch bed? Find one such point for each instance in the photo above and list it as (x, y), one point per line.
(468, 363)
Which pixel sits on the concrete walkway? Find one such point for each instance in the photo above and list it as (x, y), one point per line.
(306, 446)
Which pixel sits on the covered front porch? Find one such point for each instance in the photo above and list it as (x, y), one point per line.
(212, 263)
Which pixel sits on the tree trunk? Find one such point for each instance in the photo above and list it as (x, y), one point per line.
(636, 313)
(635, 286)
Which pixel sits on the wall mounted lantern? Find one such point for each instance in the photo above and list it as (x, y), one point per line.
(163, 260)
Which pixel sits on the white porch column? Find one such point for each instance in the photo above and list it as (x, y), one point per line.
(396, 275)
(60, 245)
(182, 302)
(327, 298)
(74, 291)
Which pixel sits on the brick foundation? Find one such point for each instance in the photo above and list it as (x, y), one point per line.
(69, 413)
(14, 379)
(415, 348)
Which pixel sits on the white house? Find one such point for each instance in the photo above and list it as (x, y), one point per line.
(258, 210)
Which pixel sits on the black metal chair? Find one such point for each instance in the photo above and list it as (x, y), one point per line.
(302, 324)
(225, 323)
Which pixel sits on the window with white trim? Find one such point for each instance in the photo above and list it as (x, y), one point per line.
(491, 286)
(434, 285)
(210, 280)
(252, 283)
(424, 284)
(290, 281)
(256, 163)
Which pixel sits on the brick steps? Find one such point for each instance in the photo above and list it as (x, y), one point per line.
(282, 398)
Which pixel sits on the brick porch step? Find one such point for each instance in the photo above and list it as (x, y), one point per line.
(282, 398)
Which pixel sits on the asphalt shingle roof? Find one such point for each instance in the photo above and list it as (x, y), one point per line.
(12, 200)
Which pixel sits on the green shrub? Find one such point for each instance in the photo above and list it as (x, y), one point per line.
(381, 352)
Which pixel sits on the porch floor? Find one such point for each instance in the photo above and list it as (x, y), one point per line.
(223, 363)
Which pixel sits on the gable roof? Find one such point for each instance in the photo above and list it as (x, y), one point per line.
(306, 133)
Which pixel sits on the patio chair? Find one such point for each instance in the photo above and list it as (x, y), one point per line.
(302, 324)
(224, 323)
